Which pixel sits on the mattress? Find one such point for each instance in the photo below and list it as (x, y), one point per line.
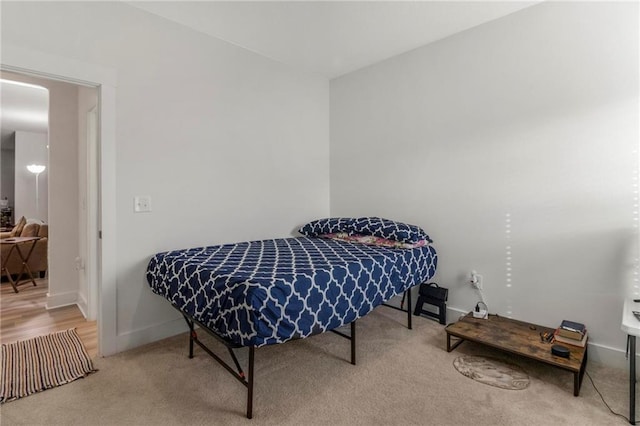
(267, 292)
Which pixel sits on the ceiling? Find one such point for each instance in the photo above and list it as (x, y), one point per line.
(23, 107)
(331, 38)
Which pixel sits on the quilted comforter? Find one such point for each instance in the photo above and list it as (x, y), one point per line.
(260, 293)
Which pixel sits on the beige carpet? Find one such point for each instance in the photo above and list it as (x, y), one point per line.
(402, 377)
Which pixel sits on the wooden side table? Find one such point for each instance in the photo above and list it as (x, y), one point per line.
(14, 244)
(520, 338)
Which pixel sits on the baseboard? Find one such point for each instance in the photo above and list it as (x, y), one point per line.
(82, 304)
(601, 354)
(610, 357)
(150, 334)
(454, 314)
(59, 300)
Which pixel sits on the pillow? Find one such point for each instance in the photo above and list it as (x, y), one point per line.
(389, 229)
(17, 230)
(43, 232)
(329, 225)
(30, 230)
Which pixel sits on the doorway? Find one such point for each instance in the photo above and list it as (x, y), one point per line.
(31, 62)
(67, 286)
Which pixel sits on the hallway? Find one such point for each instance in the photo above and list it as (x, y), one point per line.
(23, 315)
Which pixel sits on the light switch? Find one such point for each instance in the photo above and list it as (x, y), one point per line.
(142, 203)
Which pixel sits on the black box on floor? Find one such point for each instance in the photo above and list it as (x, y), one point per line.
(432, 294)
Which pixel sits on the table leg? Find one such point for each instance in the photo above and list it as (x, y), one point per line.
(632, 379)
(6, 271)
(25, 264)
(455, 345)
(577, 377)
(13, 283)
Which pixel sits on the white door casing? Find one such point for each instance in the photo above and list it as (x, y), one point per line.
(102, 259)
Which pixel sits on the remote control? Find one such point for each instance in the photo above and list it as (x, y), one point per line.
(636, 314)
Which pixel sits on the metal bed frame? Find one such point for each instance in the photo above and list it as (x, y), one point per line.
(247, 379)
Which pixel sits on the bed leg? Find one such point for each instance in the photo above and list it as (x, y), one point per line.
(409, 308)
(192, 334)
(353, 342)
(250, 383)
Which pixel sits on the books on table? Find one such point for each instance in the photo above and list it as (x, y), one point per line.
(569, 341)
(572, 326)
(572, 330)
(572, 333)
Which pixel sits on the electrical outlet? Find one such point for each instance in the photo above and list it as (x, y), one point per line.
(142, 203)
(476, 280)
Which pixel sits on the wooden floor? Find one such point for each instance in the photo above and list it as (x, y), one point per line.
(24, 315)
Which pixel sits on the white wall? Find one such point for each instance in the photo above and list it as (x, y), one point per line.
(534, 115)
(230, 145)
(31, 148)
(515, 145)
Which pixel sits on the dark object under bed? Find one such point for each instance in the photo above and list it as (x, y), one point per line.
(267, 292)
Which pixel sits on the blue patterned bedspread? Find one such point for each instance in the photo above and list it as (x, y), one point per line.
(260, 293)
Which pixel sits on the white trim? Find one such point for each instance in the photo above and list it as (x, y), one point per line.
(82, 305)
(91, 211)
(107, 322)
(62, 299)
(606, 355)
(151, 334)
(50, 66)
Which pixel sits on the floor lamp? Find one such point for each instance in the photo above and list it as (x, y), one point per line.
(36, 169)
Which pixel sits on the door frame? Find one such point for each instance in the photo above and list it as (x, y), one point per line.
(92, 223)
(103, 261)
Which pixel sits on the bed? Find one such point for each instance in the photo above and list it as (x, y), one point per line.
(258, 293)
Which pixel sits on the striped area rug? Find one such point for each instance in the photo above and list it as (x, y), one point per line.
(41, 363)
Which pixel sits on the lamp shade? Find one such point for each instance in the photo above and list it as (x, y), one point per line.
(36, 168)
